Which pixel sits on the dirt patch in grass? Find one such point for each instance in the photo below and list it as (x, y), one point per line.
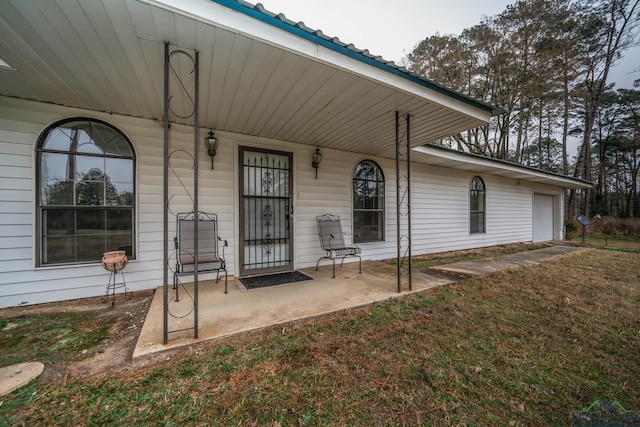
(74, 338)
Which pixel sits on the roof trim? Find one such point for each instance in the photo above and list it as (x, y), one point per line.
(333, 43)
(461, 156)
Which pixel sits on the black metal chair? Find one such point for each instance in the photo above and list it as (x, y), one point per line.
(332, 241)
(209, 260)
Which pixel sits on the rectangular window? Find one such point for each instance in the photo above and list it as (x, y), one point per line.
(74, 235)
(368, 225)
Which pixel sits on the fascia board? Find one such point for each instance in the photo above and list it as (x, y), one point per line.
(515, 170)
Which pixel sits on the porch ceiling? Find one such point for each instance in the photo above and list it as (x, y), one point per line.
(256, 78)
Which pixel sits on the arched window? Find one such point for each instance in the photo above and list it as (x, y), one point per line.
(86, 192)
(368, 202)
(477, 205)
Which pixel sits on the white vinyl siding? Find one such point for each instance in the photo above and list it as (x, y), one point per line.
(440, 202)
(440, 211)
(20, 125)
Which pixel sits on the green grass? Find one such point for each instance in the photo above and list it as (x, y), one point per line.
(49, 337)
(522, 347)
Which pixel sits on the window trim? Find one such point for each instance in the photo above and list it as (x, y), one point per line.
(382, 210)
(482, 210)
(39, 244)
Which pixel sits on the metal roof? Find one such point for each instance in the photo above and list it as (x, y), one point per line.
(260, 74)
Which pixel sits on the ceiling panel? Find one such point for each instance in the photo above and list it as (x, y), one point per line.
(108, 56)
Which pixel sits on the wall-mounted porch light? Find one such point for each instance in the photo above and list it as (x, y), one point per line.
(212, 145)
(317, 158)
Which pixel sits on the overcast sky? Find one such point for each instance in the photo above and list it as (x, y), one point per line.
(391, 28)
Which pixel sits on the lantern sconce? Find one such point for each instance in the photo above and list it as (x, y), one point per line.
(211, 143)
(317, 158)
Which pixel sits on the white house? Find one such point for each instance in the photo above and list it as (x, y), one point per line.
(83, 109)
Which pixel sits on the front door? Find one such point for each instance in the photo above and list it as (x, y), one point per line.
(265, 211)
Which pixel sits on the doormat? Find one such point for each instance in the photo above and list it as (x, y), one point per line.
(274, 279)
(454, 276)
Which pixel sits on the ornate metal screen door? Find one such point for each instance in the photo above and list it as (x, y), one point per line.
(265, 211)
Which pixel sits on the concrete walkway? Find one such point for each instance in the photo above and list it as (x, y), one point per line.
(243, 310)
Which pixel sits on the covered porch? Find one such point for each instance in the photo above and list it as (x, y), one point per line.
(241, 310)
(164, 72)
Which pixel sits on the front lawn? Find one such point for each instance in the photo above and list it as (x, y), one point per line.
(527, 346)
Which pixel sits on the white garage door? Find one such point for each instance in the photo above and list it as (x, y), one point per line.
(542, 217)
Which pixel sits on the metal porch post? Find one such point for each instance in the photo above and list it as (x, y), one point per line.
(165, 239)
(398, 225)
(409, 198)
(195, 193)
(403, 199)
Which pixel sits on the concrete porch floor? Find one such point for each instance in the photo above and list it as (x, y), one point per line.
(243, 310)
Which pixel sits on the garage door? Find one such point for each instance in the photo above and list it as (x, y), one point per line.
(542, 217)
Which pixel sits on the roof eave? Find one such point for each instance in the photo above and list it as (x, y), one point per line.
(504, 168)
(333, 43)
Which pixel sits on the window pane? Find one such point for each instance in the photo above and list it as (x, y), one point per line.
(85, 144)
(91, 246)
(358, 226)
(120, 231)
(473, 205)
(119, 220)
(58, 249)
(119, 194)
(90, 230)
(58, 236)
(109, 140)
(58, 139)
(90, 221)
(58, 222)
(58, 194)
(120, 242)
(56, 180)
(358, 201)
(477, 222)
(89, 193)
(119, 170)
(89, 167)
(368, 226)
